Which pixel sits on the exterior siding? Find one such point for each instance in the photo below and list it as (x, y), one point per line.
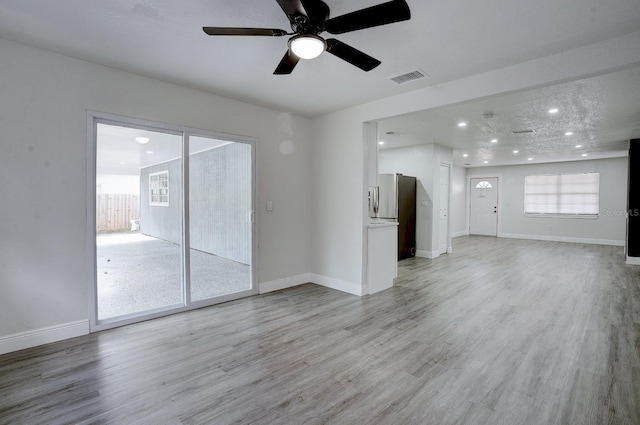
(220, 202)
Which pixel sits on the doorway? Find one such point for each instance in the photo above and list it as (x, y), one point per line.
(172, 226)
(483, 219)
(443, 228)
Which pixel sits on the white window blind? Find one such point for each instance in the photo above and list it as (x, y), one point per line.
(563, 194)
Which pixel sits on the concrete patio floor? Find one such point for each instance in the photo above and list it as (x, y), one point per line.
(137, 273)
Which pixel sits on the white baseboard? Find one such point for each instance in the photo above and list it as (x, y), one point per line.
(610, 242)
(633, 261)
(36, 337)
(428, 254)
(458, 234)
(340, 285)
(289, 282)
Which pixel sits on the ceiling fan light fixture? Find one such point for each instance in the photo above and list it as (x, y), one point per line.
(307, 46)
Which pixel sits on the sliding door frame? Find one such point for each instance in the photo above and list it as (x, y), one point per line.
(93, 119)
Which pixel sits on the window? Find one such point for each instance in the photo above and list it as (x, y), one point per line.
(159, 189)
(563, 194)
(484, 185)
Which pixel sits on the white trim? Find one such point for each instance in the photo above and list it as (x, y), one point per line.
(36, 337)
(611, 242)
(633, 261)
(428, 254)
(288, 282)
(458, 234)
(340, 285)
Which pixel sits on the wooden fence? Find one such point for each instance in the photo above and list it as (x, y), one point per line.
(115, 212)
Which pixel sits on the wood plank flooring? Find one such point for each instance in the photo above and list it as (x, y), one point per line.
(500, 331)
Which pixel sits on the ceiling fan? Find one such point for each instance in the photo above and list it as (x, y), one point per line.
(309, 18)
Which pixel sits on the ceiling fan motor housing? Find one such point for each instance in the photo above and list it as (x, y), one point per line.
(309, 18)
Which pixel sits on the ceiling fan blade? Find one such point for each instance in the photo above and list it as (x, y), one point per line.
(353, 56)
(291, 7)
(244, 31)
(286, 65)
(382, 14)
(317, 10)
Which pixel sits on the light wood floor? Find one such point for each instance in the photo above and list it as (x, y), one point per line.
(499, 332)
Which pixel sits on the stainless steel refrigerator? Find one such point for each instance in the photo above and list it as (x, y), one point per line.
(394, 199)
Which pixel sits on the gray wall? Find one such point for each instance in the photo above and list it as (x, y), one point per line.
(608, 228)
(219, 202)
(163, 222)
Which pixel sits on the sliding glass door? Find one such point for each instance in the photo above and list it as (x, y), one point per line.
(174, 226)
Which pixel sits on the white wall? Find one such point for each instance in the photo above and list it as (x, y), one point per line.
(415, 161)
(338, 167)
(44, 99)
(422, 162)
(43, 102)
(117, 184)
(458, 211)
(608, 228)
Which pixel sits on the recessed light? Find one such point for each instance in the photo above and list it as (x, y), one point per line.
(553, 110)
(121, 163)
(381, 143)
(462, 124)
(578, 146)
(494, 140)
(486, 162)
(584, 154)
(569, 133)
(529, 159)
(466, 155)
(142, 140)
(516, 151)
(149, 151)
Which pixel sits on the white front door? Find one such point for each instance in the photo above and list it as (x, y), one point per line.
(484, 206)
(443, 234)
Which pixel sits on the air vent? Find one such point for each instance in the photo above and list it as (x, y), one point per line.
(409, 76)
(523, 131)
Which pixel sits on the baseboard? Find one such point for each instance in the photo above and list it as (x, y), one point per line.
(633, 261)
(610, 242)
(428, 254)
(36, 337)
(340, 285)
(458, 234)
(289, 282)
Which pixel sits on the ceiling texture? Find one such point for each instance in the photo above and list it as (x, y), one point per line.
(447, 40)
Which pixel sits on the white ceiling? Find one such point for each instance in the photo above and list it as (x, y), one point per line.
(446, 39)
(118, 152)
(602, 113)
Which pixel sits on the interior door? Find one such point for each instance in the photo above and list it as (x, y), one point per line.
(483, 218)
(443, 230)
